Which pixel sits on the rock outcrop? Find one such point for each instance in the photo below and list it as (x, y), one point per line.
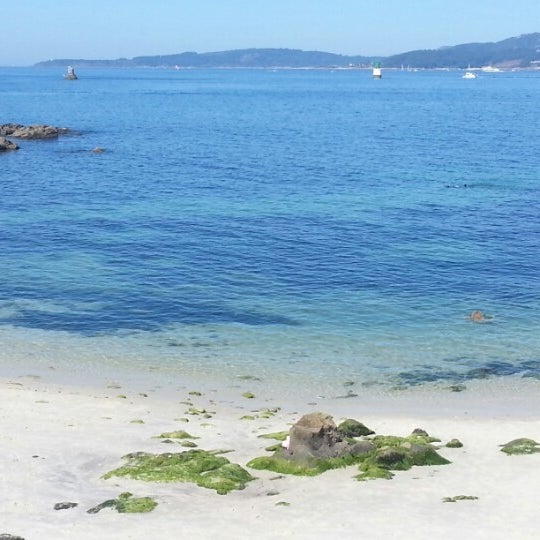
(316, 435)
(19, 131)
(6, 144)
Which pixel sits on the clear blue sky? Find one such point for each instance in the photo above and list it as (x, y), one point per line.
(34, 30)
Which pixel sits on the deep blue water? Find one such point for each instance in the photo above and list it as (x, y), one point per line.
(278, 220)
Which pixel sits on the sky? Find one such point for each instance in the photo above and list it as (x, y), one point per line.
(36, 30)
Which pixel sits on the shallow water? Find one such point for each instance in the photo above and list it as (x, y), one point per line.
(292, 224)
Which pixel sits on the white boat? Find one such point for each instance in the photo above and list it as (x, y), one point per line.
(377, 71)
(469, 75)
(70, 75)
(490, 69)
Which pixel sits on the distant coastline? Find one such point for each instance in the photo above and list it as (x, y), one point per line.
(521, 52)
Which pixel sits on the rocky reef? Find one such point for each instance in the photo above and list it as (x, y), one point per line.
(40, 131)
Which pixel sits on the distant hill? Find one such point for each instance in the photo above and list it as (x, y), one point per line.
(521, 52)
(247, 58)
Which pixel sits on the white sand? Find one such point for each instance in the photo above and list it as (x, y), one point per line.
(57, 442)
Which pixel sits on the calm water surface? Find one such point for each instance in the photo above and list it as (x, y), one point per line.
(297, 224)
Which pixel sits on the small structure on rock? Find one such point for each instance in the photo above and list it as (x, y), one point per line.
(70, 74)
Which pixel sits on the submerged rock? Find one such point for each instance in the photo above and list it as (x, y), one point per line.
(206, 469)
(10, 537)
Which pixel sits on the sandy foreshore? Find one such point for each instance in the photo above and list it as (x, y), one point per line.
(58, 441)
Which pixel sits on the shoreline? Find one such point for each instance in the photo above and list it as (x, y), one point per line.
(60, 439)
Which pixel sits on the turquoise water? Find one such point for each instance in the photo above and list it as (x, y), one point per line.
(288, 223)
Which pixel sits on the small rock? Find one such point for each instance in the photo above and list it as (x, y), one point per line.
(10, 537)
(454, 443)
(6, 145)
(353, 428)
(65, 505)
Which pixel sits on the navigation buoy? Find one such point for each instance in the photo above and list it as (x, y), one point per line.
(377, 71)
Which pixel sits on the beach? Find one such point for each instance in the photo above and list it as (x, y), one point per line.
(59, 440)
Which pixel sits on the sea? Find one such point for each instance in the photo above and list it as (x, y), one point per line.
(314, 228)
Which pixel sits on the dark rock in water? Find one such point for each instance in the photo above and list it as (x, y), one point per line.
(36, 132)
(31, 132)
(65, 505)
(10, 537)
(353, 428)
(6, 144)
(454, 443)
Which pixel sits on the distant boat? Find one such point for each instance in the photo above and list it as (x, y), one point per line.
(377, 72)
(70, 75)
(490, 69)
(469, 75)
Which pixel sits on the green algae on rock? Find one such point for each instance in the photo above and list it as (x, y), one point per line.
(278, 435)
(454, 443)
(315, 445)
(126, 504)
(353, 428)
(206, 469)
(180, 434)
(248, 395)
(520, 447)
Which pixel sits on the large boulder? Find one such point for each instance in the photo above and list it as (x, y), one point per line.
(316, 435)
(5, 144)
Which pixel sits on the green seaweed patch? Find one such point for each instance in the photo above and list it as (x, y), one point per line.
(274, 447)
(283, 503)
(201, 467)
(459, 498)
(278, 435)
(248, 417)
(126, 504)
(373, 472)
(180, 434)
(138, 421)
(195, 393)
(520, 447)
(248, 395)
(280, 464)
